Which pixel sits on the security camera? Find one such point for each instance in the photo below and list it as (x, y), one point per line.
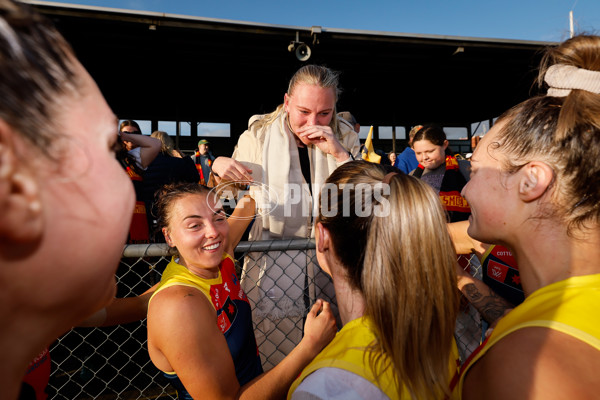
(303, 52)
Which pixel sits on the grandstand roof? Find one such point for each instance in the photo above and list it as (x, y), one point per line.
(172, 67)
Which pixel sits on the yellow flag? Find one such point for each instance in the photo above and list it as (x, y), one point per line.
(368, 153)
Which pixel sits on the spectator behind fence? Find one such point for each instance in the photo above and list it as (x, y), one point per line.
(138, 152)
(166, 168)
(350, 118)
(397, 341)
(442, 171)
(144, 149)
(291, 151)
(392, 157)
(407, 161)
(61, 189)
(535, 187)
(203, 159)
(199, 320)
(167, 145)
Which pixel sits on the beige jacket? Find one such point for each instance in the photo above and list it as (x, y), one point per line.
(271, 153)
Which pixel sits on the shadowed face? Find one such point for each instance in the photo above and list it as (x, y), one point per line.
(130, 129)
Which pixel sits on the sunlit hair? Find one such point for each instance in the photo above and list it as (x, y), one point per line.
(36, 71)
(130, 122)
(413, 132)
(563, 132)
(433, 133)
(169, 194)
(167, 145)
(403, 262)
(316, 75)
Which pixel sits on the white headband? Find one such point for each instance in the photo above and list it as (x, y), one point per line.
(562, 78)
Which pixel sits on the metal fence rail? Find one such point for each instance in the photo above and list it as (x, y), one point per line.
(113, 362)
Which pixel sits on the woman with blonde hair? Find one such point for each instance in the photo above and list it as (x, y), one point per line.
(290, 151)
(535, 188)
(167, 144)
(382, 237)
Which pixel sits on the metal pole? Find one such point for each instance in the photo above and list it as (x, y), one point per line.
(571, 23)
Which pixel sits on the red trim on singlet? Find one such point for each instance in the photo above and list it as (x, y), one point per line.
(472, 356)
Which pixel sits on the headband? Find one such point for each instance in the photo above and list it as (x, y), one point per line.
(562, 78)
(388, 177)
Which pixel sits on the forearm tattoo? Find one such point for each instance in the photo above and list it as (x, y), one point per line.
(490, 305)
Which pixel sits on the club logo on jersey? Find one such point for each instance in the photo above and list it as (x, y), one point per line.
(504, 255)
(227, 315)
(504, 274)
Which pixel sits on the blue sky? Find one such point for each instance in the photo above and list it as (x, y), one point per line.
(546, 20)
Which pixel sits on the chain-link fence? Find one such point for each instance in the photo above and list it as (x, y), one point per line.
(282, 280)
